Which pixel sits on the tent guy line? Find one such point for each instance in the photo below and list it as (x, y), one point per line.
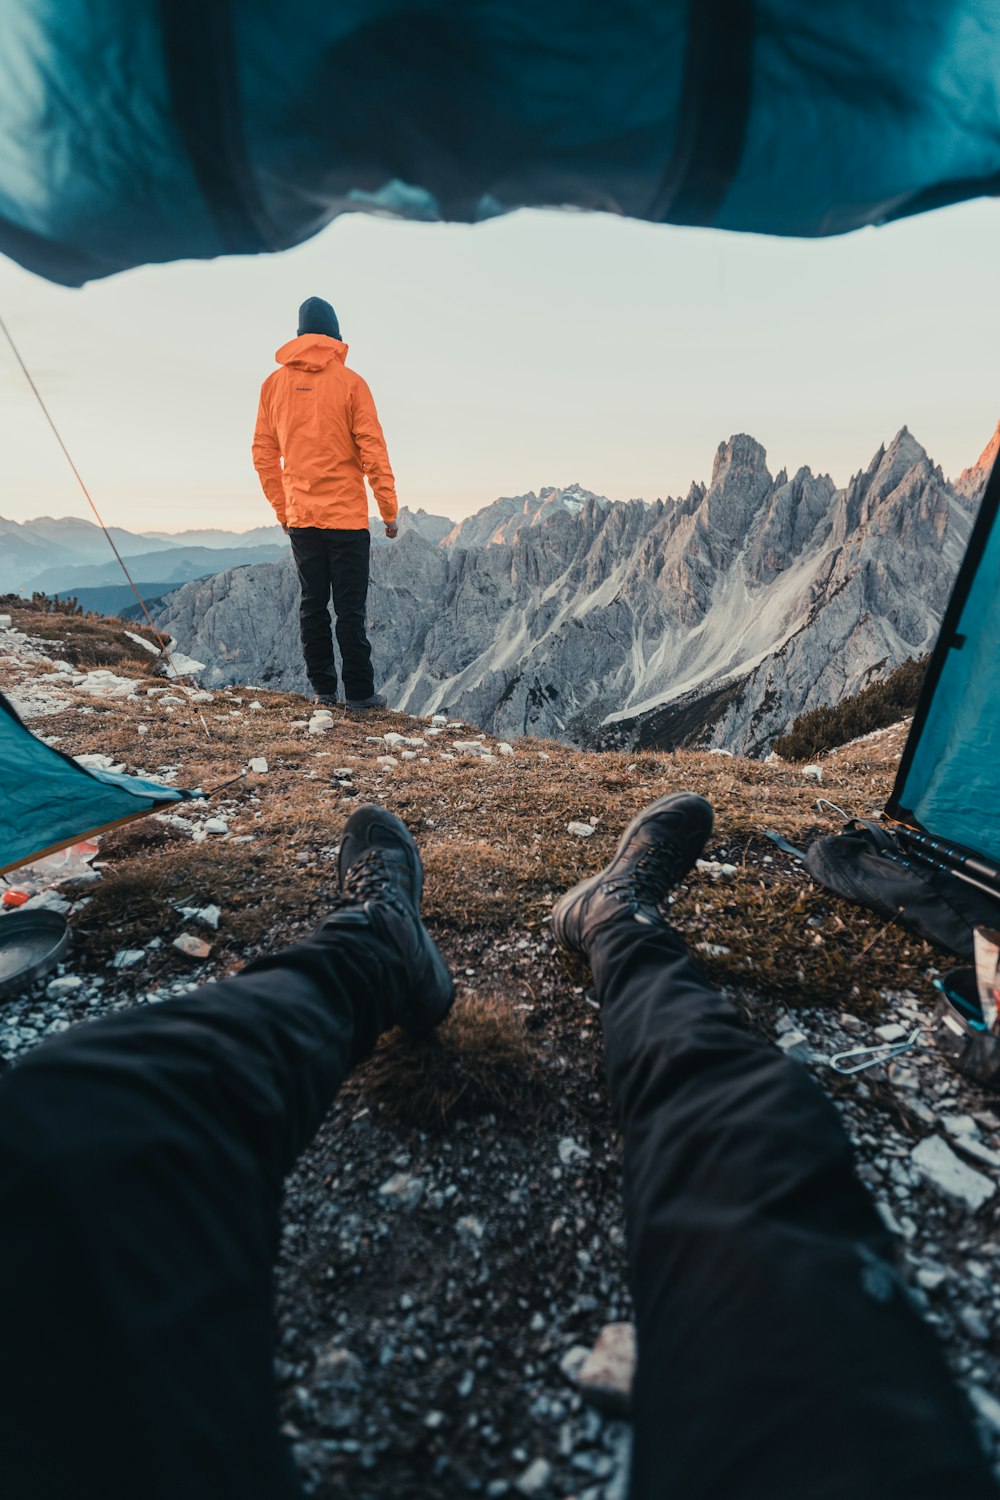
(100, 521)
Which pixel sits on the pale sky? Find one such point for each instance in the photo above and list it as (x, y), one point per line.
(537, 349)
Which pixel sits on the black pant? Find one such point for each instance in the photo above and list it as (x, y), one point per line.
(334, 562)
(780, 1357)
(141, 1163)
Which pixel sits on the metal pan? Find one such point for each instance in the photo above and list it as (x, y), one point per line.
(31, 943)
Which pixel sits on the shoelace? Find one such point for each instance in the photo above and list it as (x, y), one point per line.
(366, 880)
(654, 872)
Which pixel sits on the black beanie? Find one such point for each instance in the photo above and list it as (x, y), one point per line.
(317, 316)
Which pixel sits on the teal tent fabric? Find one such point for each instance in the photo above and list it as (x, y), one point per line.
(49, 801)
(137, 131)
(949, 778)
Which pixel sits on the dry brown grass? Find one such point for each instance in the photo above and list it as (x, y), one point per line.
(479, 1062)
(496, 850)
(85, 641)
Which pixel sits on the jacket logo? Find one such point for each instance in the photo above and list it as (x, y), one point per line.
(305, 388)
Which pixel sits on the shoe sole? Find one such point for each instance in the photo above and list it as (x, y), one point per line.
(567, 904)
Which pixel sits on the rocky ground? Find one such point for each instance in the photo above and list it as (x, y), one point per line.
(453, 1241)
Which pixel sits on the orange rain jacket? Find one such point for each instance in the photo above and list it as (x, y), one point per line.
(319, 417)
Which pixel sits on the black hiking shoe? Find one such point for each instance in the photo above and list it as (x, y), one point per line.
(655, 852)
(329, 700)
(361, 705)
(381, 882)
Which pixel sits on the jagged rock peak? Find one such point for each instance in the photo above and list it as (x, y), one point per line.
(972, 481)
(741, 452)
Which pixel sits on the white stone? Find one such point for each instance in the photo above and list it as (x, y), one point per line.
(58, 989)
(258, 765)
(47, 901)
(581, 830)
(938, 1164)
(978, 1150)
(95, 762)
(403, 1188)
(127, 957)
(813, 773)
(607, 1372)
(215, 825)
(6, 622)
(407, 755)
(504, 748)
(570, 1151)
(892, 1032)
(191, 946)
(183, 666)
(535, 1478)
(208, 916)
(795, 1044)
(573, 1360)
(140, 640)
(987, 1406)
(959, 1125)
(469, 747)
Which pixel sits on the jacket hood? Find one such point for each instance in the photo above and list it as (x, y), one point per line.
(311, 351)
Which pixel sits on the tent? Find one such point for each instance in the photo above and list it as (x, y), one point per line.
(152, 130)
(948, 785)
(140, 131)
(49, 801)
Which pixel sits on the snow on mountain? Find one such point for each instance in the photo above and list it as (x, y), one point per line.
(501, 521)
(712, 620)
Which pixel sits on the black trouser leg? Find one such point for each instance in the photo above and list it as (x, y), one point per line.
(312, 562)
(779, 1355)
(141, 1166)
(349, 557)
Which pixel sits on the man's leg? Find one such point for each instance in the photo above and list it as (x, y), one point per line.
(313, 566)
(779, 1355)
(349, 558)
(141, 1165)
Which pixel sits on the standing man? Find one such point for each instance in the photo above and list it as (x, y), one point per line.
(317, 438)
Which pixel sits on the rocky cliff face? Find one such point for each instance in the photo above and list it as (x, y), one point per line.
(714, 619)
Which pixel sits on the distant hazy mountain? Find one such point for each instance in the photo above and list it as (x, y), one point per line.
(432, 528)
(28, 548)
(715, 619)
(61, 554)
(171, 567)
(260, 536)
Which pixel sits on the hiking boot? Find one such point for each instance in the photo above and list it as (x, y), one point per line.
(381, 881)
(655, 852)
(328, 700)
(361, 705)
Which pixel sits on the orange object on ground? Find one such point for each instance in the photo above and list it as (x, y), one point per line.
(319, 417)
(14, 898)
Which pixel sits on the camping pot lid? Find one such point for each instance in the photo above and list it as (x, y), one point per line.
(31, 943)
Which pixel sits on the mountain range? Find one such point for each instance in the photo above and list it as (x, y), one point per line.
(714, 619)
(68, 555)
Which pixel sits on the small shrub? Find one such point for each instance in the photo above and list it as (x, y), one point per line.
(875, 707)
